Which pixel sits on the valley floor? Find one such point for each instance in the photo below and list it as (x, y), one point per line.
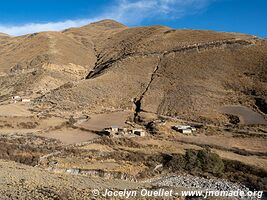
(52, 157)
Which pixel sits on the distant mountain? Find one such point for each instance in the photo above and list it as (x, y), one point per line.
(106, 65)
(2, 35)
(3, 38)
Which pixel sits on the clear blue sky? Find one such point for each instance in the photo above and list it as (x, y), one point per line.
(246, 16)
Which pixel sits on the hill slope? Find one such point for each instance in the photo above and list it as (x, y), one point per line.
(185, 73)
(41, 62)
(181, 73)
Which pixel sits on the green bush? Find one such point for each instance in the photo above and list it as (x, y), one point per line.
(210, 162)
(196, 162)
(199, 162)
(176, 163)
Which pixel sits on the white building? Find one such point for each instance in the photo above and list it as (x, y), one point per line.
(16, 99)
(122, 131)
(184, 129)
(139, 132)
(26, 100)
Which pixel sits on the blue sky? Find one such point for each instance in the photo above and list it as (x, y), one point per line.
(19, 17)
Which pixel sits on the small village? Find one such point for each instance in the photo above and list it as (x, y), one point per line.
(115, 131)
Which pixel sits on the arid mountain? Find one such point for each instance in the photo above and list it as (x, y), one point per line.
(107, 106)
(106, 65)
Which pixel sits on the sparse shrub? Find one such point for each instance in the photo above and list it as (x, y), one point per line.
(192, 162)
(28, 125)
(210, 162)
(251, 176)
(177, 163)
(233, 119)
(151, 127)
(196, 162)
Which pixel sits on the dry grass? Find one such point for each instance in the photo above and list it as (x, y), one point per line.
(248, 160)
(228, 142)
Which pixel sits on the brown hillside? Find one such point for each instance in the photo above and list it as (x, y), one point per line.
(185, 73)
(45, 61)
(42, 61)
(182, 73)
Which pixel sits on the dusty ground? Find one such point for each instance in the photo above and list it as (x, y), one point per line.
(58, 146)
(98, 122)
(23, 182)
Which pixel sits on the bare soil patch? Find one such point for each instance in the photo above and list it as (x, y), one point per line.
(246, 115)
(70, 135)
(97, 122)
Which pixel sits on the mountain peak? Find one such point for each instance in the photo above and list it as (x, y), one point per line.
(109, 23)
